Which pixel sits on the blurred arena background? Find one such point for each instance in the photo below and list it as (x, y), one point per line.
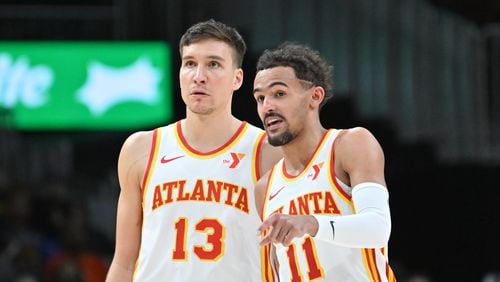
(423, 75)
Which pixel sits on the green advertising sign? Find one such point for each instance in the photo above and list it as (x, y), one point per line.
(85, 85)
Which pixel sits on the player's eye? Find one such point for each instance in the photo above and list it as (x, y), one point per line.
(214, 64)
(189, 64)
(260, 99)
(279, 94)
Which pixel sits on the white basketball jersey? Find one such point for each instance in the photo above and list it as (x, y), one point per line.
(199, 215)
(316, 190)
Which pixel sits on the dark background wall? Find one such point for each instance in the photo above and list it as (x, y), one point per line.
(423, 76)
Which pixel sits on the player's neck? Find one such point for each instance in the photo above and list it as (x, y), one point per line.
(208, 132)
(299, 152)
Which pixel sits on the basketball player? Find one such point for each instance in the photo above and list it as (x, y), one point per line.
(325, 205)
(186, 210)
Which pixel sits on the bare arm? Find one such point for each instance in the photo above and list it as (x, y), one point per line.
(131, 166)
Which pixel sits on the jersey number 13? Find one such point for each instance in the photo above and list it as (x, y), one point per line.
(214, 247)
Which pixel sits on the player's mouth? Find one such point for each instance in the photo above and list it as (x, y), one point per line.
(198, 92)
(273, 121)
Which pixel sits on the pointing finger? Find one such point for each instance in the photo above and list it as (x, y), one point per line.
(267, 223)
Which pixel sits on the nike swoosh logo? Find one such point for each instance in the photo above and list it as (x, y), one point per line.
(164, 160)
(277, 192)
(333, 229)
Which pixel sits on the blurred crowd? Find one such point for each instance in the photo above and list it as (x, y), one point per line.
(46, 234)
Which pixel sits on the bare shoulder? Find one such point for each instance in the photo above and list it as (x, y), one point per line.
(359, 156)
(134, 156)
(357, 139)
(137, 144)
(270, 155)
(356, 134)
(138, 139)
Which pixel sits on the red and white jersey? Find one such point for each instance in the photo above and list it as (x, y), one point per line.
(316, 190)
(199, 215)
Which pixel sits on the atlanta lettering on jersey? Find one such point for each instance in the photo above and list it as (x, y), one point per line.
(321, 202)
(204, 191)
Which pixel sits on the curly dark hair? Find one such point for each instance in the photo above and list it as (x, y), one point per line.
(306, 62)
(212, 29)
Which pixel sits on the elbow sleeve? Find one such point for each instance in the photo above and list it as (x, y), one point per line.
(369, 227)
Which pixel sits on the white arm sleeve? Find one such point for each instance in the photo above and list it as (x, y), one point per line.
(369, 227)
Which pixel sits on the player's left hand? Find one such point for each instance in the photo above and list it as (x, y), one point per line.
(283, 228)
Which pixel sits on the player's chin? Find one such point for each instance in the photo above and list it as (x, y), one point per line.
(200, 109)
(274, 139)
(274, 131)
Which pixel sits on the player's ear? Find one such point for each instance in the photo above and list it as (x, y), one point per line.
(238, 79)
(317, 96)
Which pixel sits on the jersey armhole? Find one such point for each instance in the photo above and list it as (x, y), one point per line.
(258, 157)
(155, 141)
(332, 175)
(266, 192)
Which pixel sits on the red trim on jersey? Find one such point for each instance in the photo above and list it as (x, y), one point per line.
(387, 270)
(372, 264)
(268, 269)
(268, 186)
(194, 151)
(150, 161)
(332, 167)
(258, 156)
(375, 264)
(369, 264)
(289, 176)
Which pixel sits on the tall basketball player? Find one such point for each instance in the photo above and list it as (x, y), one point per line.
(186, 210)
(325, 205)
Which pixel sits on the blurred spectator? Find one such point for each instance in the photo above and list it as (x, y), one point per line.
(80, 257)
(19, 241)
(46, 235)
